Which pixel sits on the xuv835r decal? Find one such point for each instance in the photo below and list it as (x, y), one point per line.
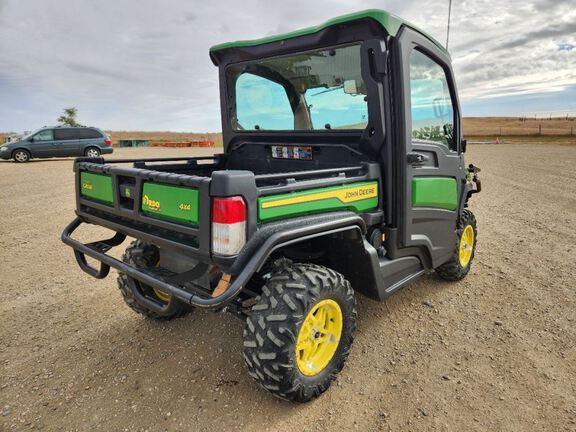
(357, 197)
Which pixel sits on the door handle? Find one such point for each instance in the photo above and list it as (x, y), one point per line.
(416, 158)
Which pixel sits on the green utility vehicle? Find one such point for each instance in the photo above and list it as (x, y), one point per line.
(342, 172)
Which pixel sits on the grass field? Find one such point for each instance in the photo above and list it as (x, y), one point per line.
(516, 130)
(507, 129)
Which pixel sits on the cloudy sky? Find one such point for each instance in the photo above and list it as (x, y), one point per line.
(144, 65)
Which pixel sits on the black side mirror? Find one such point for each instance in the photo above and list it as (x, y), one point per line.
(464, 144)
(31, 139)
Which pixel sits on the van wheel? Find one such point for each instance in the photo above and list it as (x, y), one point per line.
(298, 336)
(466, 235)
(21, 156)
(141, 255)
(92, 152)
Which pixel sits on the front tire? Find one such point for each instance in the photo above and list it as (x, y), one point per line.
(141, 255)
(299, 334)
(466, 237)
(21, 156)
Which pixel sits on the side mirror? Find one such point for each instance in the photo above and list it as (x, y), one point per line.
(464, 144)
(31, 139)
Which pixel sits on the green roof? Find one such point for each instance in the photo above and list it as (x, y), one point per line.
(391, 23)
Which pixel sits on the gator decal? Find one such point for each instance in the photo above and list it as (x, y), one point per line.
(357, 197)
(175, 203)
(97, 187)
(435, 192)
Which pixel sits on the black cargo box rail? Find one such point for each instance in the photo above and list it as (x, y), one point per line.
(301, 180)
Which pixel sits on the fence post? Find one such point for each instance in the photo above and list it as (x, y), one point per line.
(540, 129)
(500, 130)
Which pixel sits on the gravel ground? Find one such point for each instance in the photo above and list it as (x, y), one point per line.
(493, 352)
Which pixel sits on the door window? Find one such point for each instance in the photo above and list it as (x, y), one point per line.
(45, 135)
(432, 108)
(66, 134)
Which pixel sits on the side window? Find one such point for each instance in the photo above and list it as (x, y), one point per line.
(262, 104)
(45, 135)
(89, 133)
(65, 134)
(432, 110)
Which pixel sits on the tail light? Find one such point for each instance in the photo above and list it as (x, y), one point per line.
(228, 225)
(108, 141)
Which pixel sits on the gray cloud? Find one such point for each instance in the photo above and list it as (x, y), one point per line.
(141, 64)
(98, 71)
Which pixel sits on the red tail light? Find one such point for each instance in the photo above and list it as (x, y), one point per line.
(228, 225)
(228, 210)
(107, 141)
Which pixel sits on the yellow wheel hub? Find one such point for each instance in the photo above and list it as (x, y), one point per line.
(319, 337)
(466, 245)
(164, 296)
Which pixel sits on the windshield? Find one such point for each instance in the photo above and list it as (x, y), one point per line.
(28, 135)
(316, 90)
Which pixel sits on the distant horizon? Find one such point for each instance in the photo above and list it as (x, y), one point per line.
(549, 117)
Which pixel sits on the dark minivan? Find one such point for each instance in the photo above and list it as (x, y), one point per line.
(59, 141)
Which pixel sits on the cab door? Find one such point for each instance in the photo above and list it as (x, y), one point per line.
(431, 165)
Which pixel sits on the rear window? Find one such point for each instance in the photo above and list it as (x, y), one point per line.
(89, 133)
(65, 134)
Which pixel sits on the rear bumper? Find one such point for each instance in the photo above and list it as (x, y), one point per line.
(106, 149)
(97, 250)
(269, 238)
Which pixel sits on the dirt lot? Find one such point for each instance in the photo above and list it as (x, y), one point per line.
(495, 352)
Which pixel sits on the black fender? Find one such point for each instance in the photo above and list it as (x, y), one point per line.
(276, 235)
(349, 254)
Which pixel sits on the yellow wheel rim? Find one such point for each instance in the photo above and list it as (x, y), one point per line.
(466, 245)
(164, 296)
(319, 337)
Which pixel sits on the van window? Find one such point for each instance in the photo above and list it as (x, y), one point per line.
(432, 110)
(45, 135)
(66, 134)
(89, 133)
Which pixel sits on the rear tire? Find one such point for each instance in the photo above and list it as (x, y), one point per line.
(459, 265)
(21, 156)
(141, 255)
(92, 152)
(283, 352)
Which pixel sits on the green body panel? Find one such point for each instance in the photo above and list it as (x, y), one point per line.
(175, 203)
(97, 187)
(346, 197)
(435, 192)
(391, 23)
